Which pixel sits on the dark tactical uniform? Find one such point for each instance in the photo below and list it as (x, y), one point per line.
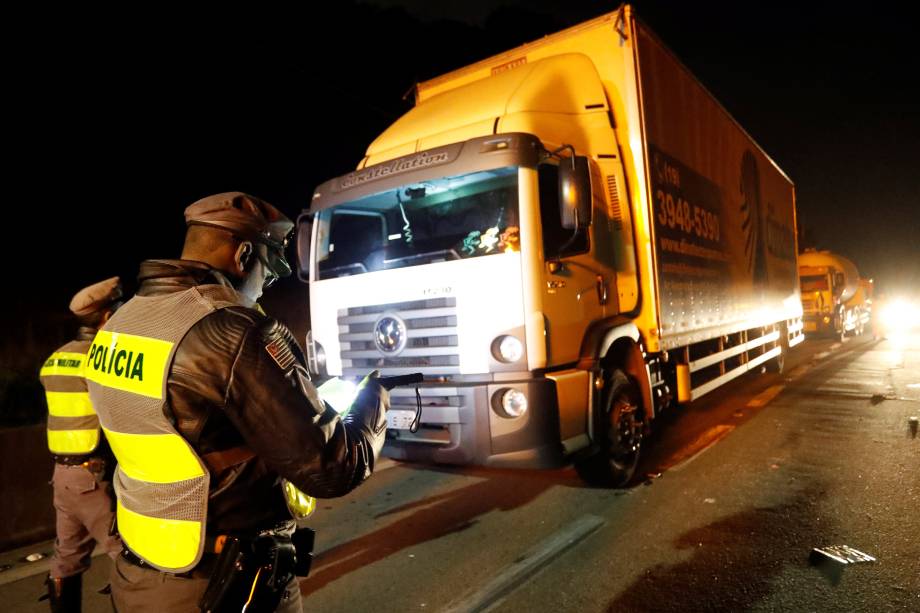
(237, 395)
(83, 463)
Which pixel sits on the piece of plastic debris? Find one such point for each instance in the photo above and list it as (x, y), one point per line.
(709, 500)
(844, 554)
(774, 466)
(833, 559)
(34, 557)
(877, 398)
(653, 475)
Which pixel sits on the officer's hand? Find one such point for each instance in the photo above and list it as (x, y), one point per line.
(371, 404)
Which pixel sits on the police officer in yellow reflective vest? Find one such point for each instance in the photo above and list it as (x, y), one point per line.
(220, 435)
(83, 463)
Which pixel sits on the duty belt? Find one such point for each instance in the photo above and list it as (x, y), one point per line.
(202, 569)
(94, 465)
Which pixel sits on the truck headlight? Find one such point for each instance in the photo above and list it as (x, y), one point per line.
(510, 403)
(507, 348)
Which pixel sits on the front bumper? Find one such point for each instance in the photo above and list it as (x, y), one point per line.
(458, 426)
(815, 324)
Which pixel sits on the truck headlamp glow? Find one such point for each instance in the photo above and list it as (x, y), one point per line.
(510, 403)
(507, 348)
(900, 314)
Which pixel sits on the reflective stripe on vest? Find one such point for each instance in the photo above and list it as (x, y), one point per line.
(161, 482)
(73, 428)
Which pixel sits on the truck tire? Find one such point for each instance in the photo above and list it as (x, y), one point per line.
(619, 431)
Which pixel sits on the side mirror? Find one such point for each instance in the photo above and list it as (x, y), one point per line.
(575, 198)
(304, 239)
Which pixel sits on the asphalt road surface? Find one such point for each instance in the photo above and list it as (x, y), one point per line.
(733, 495)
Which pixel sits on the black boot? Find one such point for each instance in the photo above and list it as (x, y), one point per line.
(65, 595)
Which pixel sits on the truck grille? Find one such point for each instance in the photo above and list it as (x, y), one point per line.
(431, 345)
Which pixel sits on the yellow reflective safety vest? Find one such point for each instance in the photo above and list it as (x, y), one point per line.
(161, 483)
(73, 427)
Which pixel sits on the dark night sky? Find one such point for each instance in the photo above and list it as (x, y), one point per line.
(115, 123)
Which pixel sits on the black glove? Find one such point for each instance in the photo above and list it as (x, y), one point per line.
(368, 411)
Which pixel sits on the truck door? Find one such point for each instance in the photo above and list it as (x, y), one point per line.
(578, 288)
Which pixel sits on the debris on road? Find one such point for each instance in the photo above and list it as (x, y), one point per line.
(833, 559)
(843, 554)
(33, 557)
(877, 398)
(709, 500)
(912, 424)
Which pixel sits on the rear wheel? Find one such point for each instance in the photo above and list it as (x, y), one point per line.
(619, 430)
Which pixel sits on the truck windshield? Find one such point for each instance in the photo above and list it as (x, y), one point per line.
(814, 283)
(452, 218)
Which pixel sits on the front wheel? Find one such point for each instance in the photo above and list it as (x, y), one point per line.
(619, 435)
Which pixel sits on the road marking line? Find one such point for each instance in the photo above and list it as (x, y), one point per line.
(822, 355)
(526, 567)
(765, 396)
(702, 443)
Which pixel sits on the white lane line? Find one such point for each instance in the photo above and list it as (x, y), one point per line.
(525, 567)
(764, 397)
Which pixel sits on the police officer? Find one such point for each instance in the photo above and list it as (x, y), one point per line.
(83, 463)
(218, 431)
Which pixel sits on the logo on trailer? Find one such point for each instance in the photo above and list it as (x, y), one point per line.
(752, 223)
(390, 334)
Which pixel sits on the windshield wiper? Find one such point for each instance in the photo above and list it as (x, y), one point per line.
(333, 272)
(452, 255)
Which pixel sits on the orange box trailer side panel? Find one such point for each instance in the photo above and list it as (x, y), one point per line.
(723, 212)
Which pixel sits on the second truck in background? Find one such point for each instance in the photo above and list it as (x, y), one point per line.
(835, 300)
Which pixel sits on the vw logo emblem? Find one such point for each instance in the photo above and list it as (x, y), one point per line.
(390, 334)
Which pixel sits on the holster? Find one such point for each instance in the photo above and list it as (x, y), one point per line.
(254, 571)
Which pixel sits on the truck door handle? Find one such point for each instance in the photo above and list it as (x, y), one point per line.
(602, 290)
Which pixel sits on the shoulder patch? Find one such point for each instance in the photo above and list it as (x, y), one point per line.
(281, 353)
